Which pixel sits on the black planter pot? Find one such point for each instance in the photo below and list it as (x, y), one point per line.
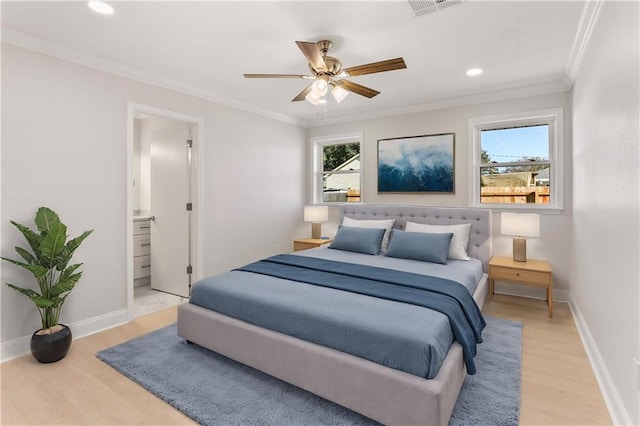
(48, 348)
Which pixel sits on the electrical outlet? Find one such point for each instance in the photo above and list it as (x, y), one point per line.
(635, 360)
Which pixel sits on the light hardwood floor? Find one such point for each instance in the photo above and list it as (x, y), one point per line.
(558, 385)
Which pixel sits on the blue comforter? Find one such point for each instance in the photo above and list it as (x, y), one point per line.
(398, 335)
(442, 295)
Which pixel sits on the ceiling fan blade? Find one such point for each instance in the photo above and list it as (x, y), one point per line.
(275, 76)
(374, 67)
(312, 52)
(301, 96)
(356, 88)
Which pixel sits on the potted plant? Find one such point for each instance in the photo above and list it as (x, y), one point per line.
(48, 261)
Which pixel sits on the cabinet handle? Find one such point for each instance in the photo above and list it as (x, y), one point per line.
(146, 266)
(517, 273)
(142, 245)
(145, 227)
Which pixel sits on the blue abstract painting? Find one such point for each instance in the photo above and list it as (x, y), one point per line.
(416, 164)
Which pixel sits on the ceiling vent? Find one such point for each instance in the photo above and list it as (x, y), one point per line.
(422, 7)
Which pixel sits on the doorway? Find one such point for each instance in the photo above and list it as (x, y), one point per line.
(162, 202)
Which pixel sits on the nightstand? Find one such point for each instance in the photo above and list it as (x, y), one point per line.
(307, 243)
(533, 272)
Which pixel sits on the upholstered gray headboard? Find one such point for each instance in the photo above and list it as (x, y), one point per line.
(480, 220)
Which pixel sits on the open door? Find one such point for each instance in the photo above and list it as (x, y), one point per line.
(170, 171)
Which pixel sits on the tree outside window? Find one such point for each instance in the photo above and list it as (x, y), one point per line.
(337, 170)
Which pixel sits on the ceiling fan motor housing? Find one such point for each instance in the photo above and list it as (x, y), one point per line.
(333, 67)
(332, 64)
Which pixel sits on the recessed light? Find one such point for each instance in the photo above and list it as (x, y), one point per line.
(474, 71)
(101, 7)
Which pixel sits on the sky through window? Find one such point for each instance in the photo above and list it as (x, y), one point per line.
(508, 145)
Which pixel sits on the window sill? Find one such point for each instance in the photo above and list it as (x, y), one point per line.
(520, 208)
(336, 203)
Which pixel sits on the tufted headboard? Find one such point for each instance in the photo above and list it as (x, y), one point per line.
(480, 220)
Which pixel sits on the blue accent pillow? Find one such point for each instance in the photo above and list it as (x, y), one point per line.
(359, 240)
(422, 246)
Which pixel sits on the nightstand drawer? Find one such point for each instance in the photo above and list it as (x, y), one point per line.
(532, 277)
(303, 246)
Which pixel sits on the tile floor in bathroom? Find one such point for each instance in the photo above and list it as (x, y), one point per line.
(148, 301)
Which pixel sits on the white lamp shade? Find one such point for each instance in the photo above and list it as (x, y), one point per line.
(316, 214)
(320, 87)
(520, 224)
(338, 93)
(313, 98)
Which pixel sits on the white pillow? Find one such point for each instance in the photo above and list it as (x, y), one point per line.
(386, 224)
(459, 241)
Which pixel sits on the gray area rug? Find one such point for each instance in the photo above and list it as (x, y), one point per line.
(214, 390)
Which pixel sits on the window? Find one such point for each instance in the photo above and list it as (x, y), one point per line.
(336, 169)
(517, 161)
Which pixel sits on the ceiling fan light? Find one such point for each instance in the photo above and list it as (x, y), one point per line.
(322, 100)
(320, 87)
(313, 98)
(338, 93)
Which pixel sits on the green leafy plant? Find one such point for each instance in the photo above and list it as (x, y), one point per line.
(48, 261)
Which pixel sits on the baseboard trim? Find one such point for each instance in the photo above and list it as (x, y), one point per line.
(617, 410)
(21, 346)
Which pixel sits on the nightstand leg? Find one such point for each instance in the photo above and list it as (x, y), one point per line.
(491, 284)
(550, 300)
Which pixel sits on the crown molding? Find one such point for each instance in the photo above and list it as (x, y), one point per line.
(480, 98)
(587, 23)
(47, 47)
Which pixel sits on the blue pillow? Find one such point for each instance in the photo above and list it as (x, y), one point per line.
(359, 240)
(422, 246)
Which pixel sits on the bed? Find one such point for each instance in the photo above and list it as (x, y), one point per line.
(388, 395)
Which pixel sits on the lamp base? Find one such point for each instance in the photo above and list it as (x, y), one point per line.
(519, 249)
(316, 230)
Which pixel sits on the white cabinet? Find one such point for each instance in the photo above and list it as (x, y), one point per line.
(141, 226)
(142, 251)
(141, 245)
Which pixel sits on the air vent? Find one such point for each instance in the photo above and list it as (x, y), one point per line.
(422, 7)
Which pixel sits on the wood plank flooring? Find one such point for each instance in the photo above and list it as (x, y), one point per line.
(558, 385)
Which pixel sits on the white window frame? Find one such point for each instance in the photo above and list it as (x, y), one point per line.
(555, 119)
(317, 144)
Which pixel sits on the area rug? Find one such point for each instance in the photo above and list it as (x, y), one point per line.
(214, 390)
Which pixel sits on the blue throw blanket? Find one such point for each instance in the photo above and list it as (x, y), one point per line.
(439, 294)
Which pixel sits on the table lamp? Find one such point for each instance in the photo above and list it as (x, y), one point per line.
(520, 225)
(316, 215)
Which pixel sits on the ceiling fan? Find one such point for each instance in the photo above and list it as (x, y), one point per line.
(328, 74)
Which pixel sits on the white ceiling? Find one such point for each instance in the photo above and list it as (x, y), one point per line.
(203, 48)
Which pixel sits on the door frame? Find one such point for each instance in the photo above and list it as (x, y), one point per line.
(196, 192)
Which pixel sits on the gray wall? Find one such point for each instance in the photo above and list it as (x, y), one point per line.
(554, 244)
(605, 238)
(64, 132)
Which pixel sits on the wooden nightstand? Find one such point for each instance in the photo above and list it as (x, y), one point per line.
(537, 273)
(307, 243)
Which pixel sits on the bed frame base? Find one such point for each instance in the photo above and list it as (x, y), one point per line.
(381, 393)
(386, 395)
